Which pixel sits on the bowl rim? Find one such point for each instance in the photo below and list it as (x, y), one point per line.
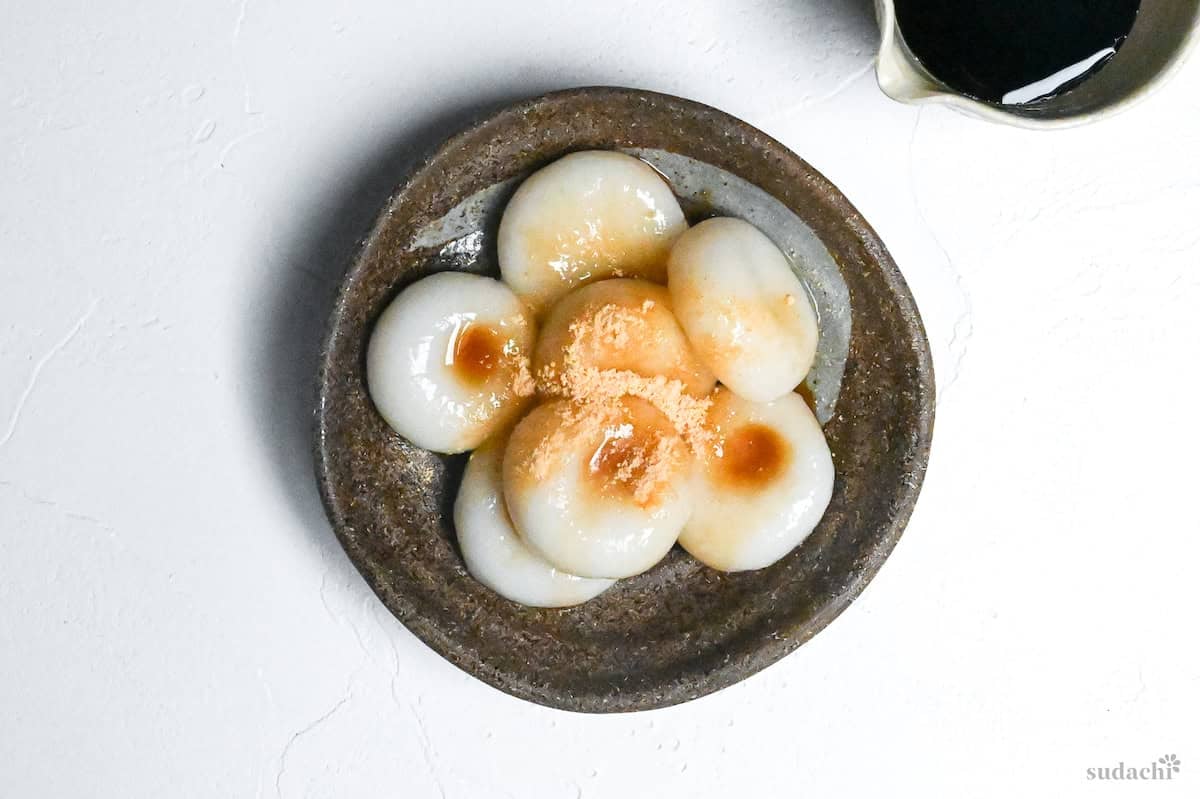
(793, 632)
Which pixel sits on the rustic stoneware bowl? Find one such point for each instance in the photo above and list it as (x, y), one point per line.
(680, 630)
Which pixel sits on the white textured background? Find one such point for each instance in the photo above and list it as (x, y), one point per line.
(178, 186)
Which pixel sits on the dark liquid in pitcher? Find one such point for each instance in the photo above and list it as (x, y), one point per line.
(990, 49)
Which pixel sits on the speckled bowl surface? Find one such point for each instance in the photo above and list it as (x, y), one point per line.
(680, 630)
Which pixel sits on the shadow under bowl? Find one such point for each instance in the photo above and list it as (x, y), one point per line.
(681, 630)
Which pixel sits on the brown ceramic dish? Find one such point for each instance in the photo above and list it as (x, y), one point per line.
(681, 630)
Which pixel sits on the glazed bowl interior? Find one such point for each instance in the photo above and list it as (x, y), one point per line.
(680, 630)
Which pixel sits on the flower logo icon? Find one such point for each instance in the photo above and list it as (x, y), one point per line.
(1170, 762)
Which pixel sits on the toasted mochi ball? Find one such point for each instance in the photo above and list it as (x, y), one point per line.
(495, 554)
(743, 308)
(619, 324)
(587, 216)
(448, 361)
(599, 490)
(763, 488)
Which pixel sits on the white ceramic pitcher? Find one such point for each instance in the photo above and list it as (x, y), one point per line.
(1162, 34)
